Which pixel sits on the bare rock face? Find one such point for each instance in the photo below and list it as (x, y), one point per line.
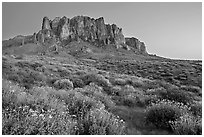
(87, 29)
(54, 24)
(83, 27)
(46, 23)
(136, 44)
(63, 28)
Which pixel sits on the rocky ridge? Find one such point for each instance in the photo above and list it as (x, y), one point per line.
(65, 30)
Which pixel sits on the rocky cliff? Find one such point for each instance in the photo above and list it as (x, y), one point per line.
(136, 44)
(87, 29)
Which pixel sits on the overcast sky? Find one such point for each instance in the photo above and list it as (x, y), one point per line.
(168, 29)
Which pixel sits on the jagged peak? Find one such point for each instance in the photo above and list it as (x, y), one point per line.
(46, 23)
(88, 29)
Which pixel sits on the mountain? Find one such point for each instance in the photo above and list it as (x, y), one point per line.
(87, 29)
(62, 31)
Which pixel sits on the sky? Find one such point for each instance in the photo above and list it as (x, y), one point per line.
(172, 30)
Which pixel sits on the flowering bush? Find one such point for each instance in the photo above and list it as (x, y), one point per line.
(23, 120)
(187, 124)
(47, 111)
(101, 122)
(161, 112)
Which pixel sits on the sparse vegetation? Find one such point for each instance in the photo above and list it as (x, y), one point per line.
(58, 94)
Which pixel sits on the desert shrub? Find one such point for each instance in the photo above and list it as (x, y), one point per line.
(96, 92)
(115, 90)
(30, 65)
(51, 80)
(120, 81)
(10, 92)
(165, 85)
(130, 100)
(154, 84)
(78, 83)
(99, 80)
(101, 122)
(153, 95)
(149, 99)
(13, 94)
(133, 100)
(127, 89)
(43, 98)
(33, 112)
(187, 125)
(136, 82)
(161, 112)
(64, 72)
(23, 120)
(129, 96)
(62, 94)
(91, 89)
(150, 84)
(26, 78)
(45, 110)
(177, 95)
(79, 105)
(63, 84)
(196, 109)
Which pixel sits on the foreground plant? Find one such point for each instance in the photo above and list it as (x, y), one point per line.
(187, 125)
(161, 112)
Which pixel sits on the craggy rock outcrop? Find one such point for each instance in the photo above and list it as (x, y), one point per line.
(87, 29)
(46, 23)
(136, 44)
(83, 27)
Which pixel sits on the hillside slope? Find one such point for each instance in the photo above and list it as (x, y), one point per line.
(57, 86)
